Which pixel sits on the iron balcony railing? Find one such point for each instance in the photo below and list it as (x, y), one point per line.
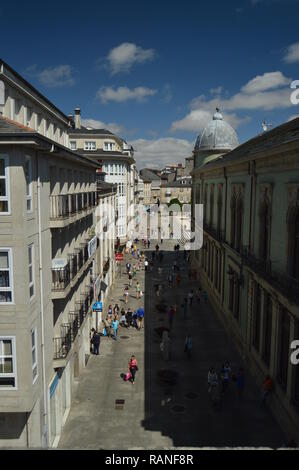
(65, 205)
(63, 344)
(74, 322)
(61, 278)
(285, 284)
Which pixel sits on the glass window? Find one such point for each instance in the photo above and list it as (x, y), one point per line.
(109, 146)
(73, 144)
(6, 291)
(34, 354)
(89, 145)
(31, 270)
(4, 185)
(7, 362)
(28, 177)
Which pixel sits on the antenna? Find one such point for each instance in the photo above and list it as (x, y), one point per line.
(266, 125)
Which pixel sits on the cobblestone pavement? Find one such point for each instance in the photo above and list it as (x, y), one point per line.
(159, 414)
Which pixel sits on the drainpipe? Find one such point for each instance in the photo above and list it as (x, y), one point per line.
(45, 417)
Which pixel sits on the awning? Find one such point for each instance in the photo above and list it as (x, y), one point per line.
(59, 263)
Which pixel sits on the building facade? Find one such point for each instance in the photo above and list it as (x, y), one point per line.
(249, 260)
(116, 160)
(51, 263)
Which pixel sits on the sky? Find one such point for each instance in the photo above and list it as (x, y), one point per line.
(153, 72)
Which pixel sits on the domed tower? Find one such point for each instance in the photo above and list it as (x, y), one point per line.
(217, 138)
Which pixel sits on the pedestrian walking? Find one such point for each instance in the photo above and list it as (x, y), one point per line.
(115, 324)
(110, 311)
(225, 375)
(134, 271)
(132, 368)
(130, 277)
(91, 336)
(128, 267)
(140, 315)
(148, 243)
(188, 345)
(138, 289)
(126, 294)
(123, 321)
(96, 343)
(129, 317)
(116, 310)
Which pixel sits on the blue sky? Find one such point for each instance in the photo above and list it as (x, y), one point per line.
(155, 71)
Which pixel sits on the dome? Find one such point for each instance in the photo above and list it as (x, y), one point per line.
(217, 135)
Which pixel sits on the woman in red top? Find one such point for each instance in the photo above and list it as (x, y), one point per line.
(132, 368)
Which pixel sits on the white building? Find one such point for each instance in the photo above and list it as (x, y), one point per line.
(117, 166)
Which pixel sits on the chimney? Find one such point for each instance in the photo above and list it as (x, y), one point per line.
(77, 118)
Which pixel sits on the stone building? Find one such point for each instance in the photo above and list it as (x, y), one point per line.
(250, 256)
(50, 261)
(116, 160)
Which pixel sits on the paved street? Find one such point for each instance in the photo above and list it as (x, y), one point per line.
(157, 414)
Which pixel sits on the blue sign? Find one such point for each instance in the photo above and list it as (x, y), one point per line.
(97, 307)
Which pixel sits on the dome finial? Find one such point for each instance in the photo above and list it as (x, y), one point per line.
(217, 116)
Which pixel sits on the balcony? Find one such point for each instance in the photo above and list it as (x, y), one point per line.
(65, 272)
(67, 208)
(63, 344)
(61, 278)
(286, 285)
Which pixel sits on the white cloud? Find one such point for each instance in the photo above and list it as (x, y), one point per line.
(292, 53)
(112, 126)
(123, 57)
(55, 76)
(157, 153)
(264, 92)
(193, 121)
(268, 81)
(123, 93)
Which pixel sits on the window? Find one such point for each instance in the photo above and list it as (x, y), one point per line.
(4, 186)
(31, 270)
(73, 144)
(7, 362)
(28, 177)
(89, 145)
(34, 354)
(109, 146)
(6, 290)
